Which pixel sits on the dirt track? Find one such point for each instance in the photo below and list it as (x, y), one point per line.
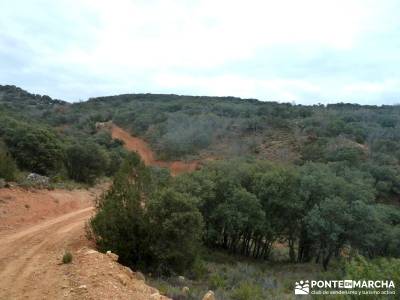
(31, 252)
(29, 258)
(38, 226)
(138, 145)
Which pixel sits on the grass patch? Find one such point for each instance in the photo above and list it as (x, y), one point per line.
(239, 278)
(67, 258)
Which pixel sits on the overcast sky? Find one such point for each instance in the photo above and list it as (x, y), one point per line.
(303, 51)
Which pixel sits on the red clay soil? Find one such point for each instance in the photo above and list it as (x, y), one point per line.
(138, 145)
(36, 228)
(21, 207)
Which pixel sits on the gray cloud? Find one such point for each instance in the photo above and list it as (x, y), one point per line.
(335, 51)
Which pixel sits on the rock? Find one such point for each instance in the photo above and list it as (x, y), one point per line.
(82, 287)
(128, 271)
(181, 279)
(153, 290)
(155, 296)
(103, 125)
(113, 256)
(122, 279)
(91, 251)
(209, 296)
(185, 290)
(34, 178)
(140, 276)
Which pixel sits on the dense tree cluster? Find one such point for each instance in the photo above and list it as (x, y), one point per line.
(38, 148)
(316, 209)
(8, 167)
(248, 207)
(34, 148)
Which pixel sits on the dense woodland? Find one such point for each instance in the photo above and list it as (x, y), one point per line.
(366, 138)
(32, 141)
(320, 180)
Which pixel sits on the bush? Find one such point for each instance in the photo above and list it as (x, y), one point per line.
(8, 167)
(158, 232)
(248, 291)
(199, 269)
(35, 149)
(85, 162)
(67, 258)
(216, 281)
(176, 227)
(360, 268)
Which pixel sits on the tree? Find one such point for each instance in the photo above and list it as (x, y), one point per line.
(238, 221)
(175, 226)
(85, 162)
(318, 184)
(351, 155)
(277, 189)
(120, 223)
(35, 149)
(328, 223)
(8, 167)
(158, 232)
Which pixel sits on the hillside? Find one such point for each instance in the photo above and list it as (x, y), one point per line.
(199, 128)
(256, 187)
(138, 145)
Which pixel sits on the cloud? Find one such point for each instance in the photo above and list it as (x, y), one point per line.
(305, 51)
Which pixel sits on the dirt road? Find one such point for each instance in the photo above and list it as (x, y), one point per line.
(31, 252)
(138, 145)
(29, 258)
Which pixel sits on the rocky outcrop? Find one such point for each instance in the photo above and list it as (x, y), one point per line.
(104, 125)
(140, 276)
(111, 255)
(105, 278)
(37, 179)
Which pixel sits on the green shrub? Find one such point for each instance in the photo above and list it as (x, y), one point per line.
(360, 268)
(8, 167)
(216, 281)
(150, 228)
(85, 162)
(375, 269)
(247, 291)
(199, 269)
(35, 149)
(67, 258)
(175, 225)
